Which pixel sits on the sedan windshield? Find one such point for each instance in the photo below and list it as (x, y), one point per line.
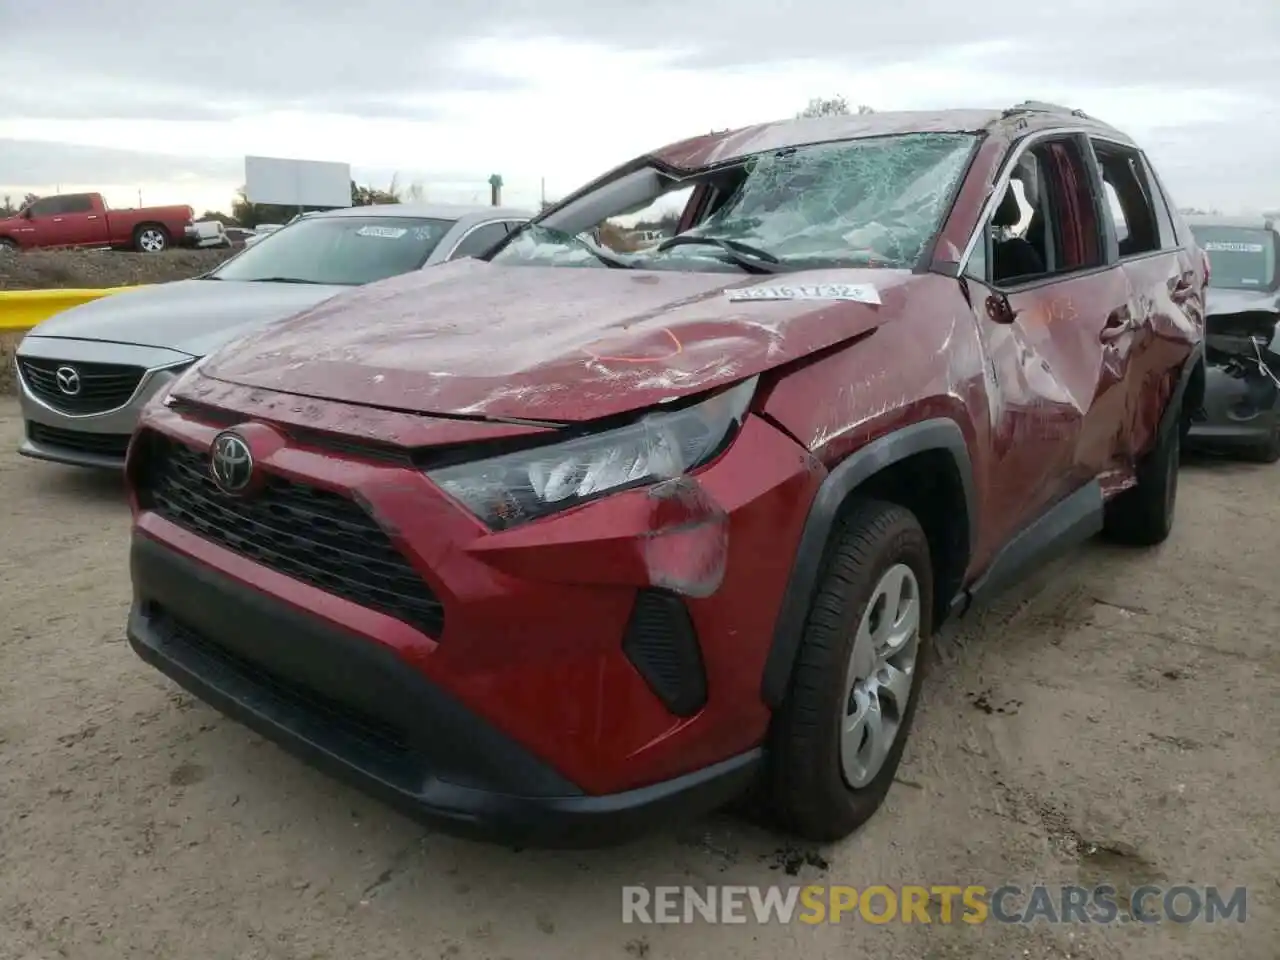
(871, 202)
(1239, 258)
(346, 251)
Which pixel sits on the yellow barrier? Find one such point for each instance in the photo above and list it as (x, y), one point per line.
(23, 309)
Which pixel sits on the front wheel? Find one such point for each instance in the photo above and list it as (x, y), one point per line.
(151, 238)
(7, 246)
(838, 738)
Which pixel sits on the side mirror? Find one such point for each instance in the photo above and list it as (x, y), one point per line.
(26, 213)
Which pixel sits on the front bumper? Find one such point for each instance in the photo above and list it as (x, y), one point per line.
(96, 440)
(1238, 411)
(316, 690)
(590, 640)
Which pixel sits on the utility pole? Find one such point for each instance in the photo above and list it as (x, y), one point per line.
(544, 193)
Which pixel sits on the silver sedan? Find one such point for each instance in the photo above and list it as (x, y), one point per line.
(85, 374)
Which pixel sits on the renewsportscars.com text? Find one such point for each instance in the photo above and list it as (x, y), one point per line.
(907, 904)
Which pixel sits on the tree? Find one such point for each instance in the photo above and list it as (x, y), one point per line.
(225, 219)
(364, 196)
(831, 107)
(7, 209)
(253, 214)
(248, 214)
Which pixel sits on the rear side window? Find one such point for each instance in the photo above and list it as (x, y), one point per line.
(77, 203)
(1129, 199)
(1240, 258)
(1172, 232)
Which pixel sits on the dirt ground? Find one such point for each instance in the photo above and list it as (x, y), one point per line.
(1115, 721)
(89, 269)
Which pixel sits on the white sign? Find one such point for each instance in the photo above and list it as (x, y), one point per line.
(857, 292)
(297, 183)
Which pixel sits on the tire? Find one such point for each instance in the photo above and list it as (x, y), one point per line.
(809, 789)
(150, 238)
(1268, 451)
(7, 246)
(1143, 515)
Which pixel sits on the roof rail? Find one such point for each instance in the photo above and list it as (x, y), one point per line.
(1041, 106)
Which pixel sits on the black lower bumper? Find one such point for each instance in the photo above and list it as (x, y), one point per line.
(1241, 406)
(104, 451)
(354, 709)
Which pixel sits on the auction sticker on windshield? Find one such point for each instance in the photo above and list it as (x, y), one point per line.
(1224, 246)
(386, 233)
(859, 292)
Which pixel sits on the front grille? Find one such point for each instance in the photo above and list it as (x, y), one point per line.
(313, 535)
(103, 444)
(98, 387)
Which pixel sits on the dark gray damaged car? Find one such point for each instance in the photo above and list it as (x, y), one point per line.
(1241, 410)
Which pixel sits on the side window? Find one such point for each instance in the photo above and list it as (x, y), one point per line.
(46, 207)
(1133, 214)
(77, 203)
(1046, 223)
(1170, 235)
(479, 240)
(1116, 208)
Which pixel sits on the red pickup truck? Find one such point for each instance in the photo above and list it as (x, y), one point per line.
(83, 220)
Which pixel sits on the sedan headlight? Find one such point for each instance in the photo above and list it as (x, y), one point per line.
(514, 488)
(184, 375)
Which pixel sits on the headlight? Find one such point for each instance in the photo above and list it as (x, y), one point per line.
(514, 488)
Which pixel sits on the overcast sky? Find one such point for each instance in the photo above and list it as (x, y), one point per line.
(162, 100)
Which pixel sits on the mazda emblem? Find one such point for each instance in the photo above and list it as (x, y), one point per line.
(68, 379)
(230, 462)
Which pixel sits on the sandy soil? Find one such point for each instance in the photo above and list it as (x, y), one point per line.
(1115, 721)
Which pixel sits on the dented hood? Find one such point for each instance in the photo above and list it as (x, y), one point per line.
(471, 338)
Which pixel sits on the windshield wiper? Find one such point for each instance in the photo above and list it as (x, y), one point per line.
(285, 280)
(749, 258)
(604, 258)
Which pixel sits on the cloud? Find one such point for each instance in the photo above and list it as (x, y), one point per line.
(33, 161)
(567, 88)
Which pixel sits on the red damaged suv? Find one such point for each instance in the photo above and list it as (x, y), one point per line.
(660, 501)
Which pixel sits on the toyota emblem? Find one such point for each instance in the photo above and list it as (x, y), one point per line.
(68, 379)
(230, 462)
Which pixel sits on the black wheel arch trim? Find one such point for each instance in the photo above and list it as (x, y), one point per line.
(936, 434)
(1173, 409)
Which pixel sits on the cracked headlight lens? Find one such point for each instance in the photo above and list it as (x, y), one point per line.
(514, 488)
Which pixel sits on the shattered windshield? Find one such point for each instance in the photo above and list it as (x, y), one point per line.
(871, 202)
(1239, 258)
